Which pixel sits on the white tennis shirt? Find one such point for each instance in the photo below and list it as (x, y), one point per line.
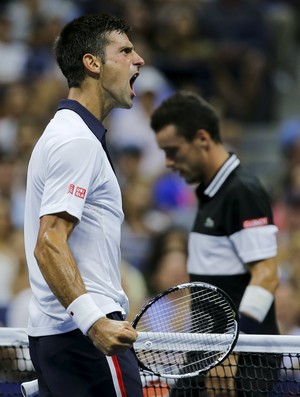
(69, 171)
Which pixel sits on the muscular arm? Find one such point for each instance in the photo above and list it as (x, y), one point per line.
(265, 274)
(61, 273)
(55, 259)
(259, 294)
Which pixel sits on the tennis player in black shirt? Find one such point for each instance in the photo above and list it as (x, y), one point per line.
(233, 240)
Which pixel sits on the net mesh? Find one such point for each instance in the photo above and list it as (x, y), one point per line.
(259, 366)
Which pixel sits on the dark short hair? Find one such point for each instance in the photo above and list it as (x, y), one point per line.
(188, 112)
(86, 34)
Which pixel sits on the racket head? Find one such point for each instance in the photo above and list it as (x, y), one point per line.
(186, 330)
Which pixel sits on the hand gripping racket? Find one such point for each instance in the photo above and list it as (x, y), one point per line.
(182, 332)
(185, 330)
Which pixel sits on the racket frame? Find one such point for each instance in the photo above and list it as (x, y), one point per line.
(179, 287)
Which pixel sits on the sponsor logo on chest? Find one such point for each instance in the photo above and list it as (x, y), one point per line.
(209, 222)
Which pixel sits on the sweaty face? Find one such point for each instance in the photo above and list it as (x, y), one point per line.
(119, 71)
(181, 155)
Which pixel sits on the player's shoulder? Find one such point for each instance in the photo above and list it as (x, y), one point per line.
(67, 127)
(69, 122)
(244, 183)
(244, 178)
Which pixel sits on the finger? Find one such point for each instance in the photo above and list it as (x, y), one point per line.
(128, 337)
(130, 332)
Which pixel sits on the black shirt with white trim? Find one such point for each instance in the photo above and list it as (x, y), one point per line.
(233, 227)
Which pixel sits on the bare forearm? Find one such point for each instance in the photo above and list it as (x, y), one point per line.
(259, 294)
(265, 274)
(60, 272)
(56, 261)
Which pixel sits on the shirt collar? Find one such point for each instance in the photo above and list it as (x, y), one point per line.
(227, 168)
(90, 120)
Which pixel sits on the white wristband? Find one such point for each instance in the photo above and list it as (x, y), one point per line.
(256, 301)
(84, 312)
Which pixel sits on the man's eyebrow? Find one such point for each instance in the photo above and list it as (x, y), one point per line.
(127, 46)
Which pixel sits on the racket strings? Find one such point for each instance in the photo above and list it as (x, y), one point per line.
(186, 312)
(179, 310)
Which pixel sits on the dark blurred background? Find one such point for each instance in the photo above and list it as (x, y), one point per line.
(241, 55)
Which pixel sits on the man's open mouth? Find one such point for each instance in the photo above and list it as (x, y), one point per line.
(132, 80)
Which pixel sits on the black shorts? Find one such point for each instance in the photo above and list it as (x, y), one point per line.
(69, 365)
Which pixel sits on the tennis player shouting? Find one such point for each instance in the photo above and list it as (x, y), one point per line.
(78, 344)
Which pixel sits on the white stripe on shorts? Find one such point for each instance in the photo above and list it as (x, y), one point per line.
(114, 376)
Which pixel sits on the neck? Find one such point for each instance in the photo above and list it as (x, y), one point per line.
(88, 98)
(218, 156)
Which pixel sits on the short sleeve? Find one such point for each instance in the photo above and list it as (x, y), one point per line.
(69, 173)
(247, 206)
(251, 230)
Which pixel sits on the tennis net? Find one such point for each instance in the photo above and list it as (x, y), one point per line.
(261, 365)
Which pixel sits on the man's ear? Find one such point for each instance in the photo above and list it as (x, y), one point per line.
(202, 137)
(92, 65)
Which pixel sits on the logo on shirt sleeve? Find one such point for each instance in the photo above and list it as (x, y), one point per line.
(77, 191)
(71, 188)
(255, 222)
(80, 192)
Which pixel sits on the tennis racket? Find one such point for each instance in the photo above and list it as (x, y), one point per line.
(182, 332)
(186, 330)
